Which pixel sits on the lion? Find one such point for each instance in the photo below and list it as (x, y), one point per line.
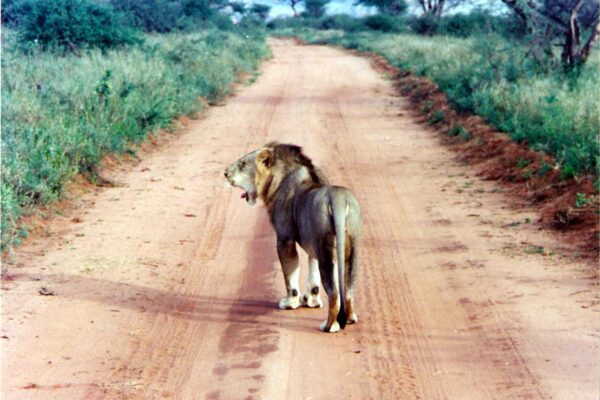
(241, 174)
(324, 220)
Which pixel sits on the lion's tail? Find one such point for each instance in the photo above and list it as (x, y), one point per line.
(339, 207)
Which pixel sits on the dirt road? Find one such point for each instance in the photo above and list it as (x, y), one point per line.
(166, 287)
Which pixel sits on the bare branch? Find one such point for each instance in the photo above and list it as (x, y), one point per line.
(516, 7)
(531, 7)
(436, 7)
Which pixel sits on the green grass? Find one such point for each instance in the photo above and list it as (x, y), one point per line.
(60, 115)
(492, 77)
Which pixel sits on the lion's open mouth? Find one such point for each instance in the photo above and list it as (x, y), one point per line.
(249, 196)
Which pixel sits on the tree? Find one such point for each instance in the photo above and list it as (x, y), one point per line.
(393, 7)
(315, 8)
(260, 11)
(435, 8)
(546, 20)
(428, 22)
(293, 4)
(237, 7)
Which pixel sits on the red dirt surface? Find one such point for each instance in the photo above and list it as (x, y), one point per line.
(165, 286)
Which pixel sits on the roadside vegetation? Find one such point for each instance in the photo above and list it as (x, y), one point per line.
(517, 71)
(70, 96)
(491, 77)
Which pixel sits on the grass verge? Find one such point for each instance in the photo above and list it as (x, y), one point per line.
(493, 78)
(60, 115)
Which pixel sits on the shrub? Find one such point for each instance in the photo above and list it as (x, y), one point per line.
(477, 22)
(72, 24)
(162, 16)
(286, 22)
(61, 114)
(426, 24)
(463, 25)
(342, 22)
(11, 12)
(383, 23)
(436, 116)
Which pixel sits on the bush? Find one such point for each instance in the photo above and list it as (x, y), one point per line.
(342, 22)
(286, 22)
(11, 12)
(477, 22)
(60, 115)
(463, 25)
(162, 16)
(424, 25)
(383, 23)
(72, 24)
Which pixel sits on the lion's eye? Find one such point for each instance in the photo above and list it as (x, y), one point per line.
(243, 165)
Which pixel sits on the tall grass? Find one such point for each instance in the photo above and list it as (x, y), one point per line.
(492, 77)
(60, 115)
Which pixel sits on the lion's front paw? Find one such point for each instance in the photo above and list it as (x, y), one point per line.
(289, 303)
(312, 301)
(332, 329)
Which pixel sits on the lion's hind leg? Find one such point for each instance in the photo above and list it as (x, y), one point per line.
(288, 257)
(312, 298)
(352, 272)
(330, 283)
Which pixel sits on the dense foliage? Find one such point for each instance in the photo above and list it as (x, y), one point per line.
(170, 15)
(459, 25)
(61, 114)
(68, 24)
(315, 8)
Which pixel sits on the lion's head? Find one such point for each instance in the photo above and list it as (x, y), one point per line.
(242, 174)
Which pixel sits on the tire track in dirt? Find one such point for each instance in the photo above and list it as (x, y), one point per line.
(245, 341)
(385, 326)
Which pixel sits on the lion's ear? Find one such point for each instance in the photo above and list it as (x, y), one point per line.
(265, 158)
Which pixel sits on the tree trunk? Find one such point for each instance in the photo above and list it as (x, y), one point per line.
(572, 44)
(432, 7)
(587, 48)
(293, 5)
(438, 8)
(573, 54)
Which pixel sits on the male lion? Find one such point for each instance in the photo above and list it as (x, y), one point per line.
(242, 174)
(323, 219)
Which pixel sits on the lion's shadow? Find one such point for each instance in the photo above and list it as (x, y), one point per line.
(196, 307)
